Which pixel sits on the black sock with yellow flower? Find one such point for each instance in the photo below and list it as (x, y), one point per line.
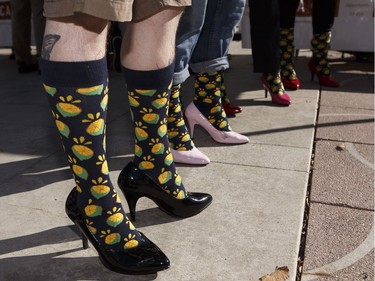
(78, 96)
(178, 135)
(207, 99)
(223, 89)
(274, 83)
(287, 53)
(149, 94)
(321, 44)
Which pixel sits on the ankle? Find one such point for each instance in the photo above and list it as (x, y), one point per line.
(288, 73)
(208, 98)
(274, 83)
(178, 135)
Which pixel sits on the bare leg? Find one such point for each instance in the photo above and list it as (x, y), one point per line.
(150, 44)
(76, 38)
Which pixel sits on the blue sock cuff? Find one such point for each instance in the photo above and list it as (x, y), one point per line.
(76, 74)
(150, 79)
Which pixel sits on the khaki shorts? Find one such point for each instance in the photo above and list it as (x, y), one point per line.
(113, 10)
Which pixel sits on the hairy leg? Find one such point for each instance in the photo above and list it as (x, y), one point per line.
(76, 38)
(150, 44)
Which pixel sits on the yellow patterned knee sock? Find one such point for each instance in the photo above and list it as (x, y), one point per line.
(78, 96)
(149, 94)
(178, 135)
(207, 99)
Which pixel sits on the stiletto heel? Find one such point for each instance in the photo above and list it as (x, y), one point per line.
(195, 117)
(276, 98)
(146, 258)
(132, 199)
(85, 244)
(324, 80)
(265, 91)
(136, 184)
(191, 124)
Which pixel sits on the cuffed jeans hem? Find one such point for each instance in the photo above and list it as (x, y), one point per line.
(210, 66)
(180, 77)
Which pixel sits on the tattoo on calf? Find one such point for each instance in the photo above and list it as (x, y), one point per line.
(49, 42)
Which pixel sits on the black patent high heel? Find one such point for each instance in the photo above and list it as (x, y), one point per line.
(146, 258)
(85, 243)
(135, 184)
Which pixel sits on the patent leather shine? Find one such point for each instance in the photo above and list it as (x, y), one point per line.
(326, 81)
(276, 98)
(135, 184)
(292, 85)
(146, 258)
(231, 109)
(195, 117)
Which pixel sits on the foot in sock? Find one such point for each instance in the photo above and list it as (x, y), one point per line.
(272, 83)
(78, 101)
(229, 108)
(288, 74)
(149, 94)
(182, 146)
(207, 99)
(207, 110)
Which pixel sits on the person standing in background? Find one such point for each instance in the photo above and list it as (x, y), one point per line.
(25, 14)
(204, 35)
(265, 36)
(272, 38)
(323, 15)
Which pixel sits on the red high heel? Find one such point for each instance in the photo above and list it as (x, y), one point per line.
(324, 80)
(292, 85)
(276, 98)
(231, 109)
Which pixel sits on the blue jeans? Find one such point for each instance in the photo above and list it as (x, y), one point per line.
(204, 34)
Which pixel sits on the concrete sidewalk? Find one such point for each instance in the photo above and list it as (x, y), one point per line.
(258, 219)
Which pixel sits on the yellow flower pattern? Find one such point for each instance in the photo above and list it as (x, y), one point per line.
(207, 99)
(286, 54)
(178, 135)
(320, 45)
(274, 83)
(80, 117)
(151, 130)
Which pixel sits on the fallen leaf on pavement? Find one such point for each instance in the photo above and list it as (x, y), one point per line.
(341, 146)
(280, 274)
